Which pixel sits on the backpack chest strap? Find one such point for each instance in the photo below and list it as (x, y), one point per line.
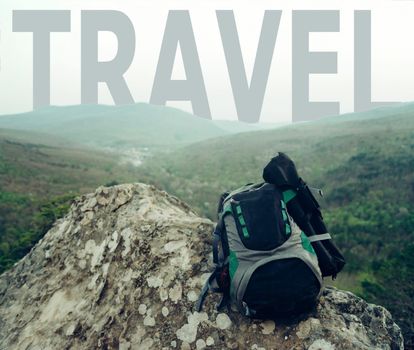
(322, 237)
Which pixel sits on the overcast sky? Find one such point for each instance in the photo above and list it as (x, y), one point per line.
(392, 52)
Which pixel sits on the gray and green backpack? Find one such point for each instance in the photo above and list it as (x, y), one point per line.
(264, 264)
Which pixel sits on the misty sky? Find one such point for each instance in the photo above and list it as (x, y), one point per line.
(392, 52)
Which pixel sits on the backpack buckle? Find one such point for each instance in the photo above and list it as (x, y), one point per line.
(248, 312)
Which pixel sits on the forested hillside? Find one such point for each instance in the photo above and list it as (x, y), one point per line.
(38, 181)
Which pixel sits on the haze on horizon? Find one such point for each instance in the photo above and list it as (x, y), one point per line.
(392, 53)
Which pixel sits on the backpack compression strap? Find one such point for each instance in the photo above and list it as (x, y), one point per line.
(204, 291)
(209, 285)
(216, 241)
(219, 260)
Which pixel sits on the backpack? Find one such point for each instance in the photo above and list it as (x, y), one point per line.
(265, 264)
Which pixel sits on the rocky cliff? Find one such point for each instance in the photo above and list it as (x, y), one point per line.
(122, 271)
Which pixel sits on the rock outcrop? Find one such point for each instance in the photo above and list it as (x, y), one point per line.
(122, 271)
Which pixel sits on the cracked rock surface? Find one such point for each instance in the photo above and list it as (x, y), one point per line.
(122, 271)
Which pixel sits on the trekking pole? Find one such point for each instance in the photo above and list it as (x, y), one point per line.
(305, 210)
(319, 227)
(326, 262)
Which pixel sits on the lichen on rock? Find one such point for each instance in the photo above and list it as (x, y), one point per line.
(122, 271)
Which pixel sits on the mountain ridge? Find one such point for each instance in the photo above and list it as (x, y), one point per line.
(137, 125)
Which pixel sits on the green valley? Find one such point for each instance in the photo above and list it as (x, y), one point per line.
(363, 162)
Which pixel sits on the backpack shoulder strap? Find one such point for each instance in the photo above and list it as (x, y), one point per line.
(223, 196)
(216, 241)
(219, 259)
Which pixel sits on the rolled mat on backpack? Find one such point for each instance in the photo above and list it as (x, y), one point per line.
(305, 210)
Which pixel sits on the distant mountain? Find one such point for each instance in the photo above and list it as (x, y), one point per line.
(398, 109)
(236, 127)
(36, 138)
(139, 125)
